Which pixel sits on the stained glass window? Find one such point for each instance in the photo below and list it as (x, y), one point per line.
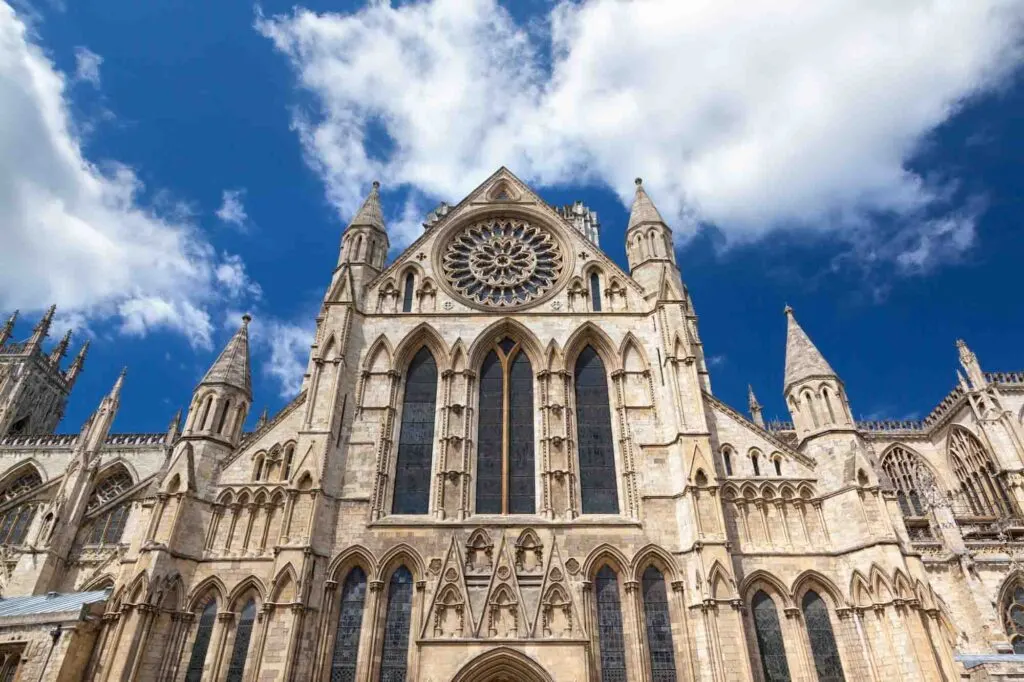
(416, 438)
(505, 455)
(1013, 618)
(595, 292)
(594, 436)
(21, 485)
(350, 623)
(14, 524)
(395, 654)
(108, 527)
(823, 641)
(609, 626)
(241, 649)
(660, 650)
(109, 488)
(769, 639)
(202, 644)
(410, 282)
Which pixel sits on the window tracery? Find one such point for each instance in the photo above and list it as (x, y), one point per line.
(109, 488)
(350, 621)
(108, 527)
(823, 641)
(14, 524)
(397, 622)
(660, 650)
(201, 646)
(904, 470)
(984, 491)
(1013, 617)
(21, 485)
(416, 436)
(240, 651)
(502, 262)
(505, 449)
(594, 438)
(609, 624)
(769, 639)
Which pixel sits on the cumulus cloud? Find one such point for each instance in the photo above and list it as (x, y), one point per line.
(87, 66)
(282, 347)
(752, 116)
(232, 210)
(77, 232)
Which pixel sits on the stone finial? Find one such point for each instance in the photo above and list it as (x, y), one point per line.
(970, 363)
(754, 406)
(42, 328)
(79, 362)
(61, 349)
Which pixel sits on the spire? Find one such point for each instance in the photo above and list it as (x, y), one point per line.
(754, 406)
(370, 213)
(57, 354)
(97, 428)
(76, 366)
(174, 428)
(41, 330)
(643, 210)
(262, 421)
(8, 328)
(803, 359)
(115, 392)
(232, 365)
(969, 361)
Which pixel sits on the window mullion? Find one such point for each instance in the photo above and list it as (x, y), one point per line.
(504, 430)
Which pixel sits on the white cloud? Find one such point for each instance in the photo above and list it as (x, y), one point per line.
(750, 115)
(87, 66)
(77, 233)
(282, 348)
(231, 210)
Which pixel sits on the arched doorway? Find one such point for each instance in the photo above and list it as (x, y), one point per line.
(503, 664)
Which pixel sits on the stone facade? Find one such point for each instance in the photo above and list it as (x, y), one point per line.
(506, 462)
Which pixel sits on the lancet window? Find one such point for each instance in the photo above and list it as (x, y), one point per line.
(15, 521)
(727, 461)
(1013, 617)
(984, 491)
(202, 644)
(108, 527)
(769, 639)
(658, 622)
(397, 622)
(505, 456)
(595, 292)
(350, 622)
(594, 436)
(240, 651)
(609, 626)
(410, 285)
(823, 641)
(416, 436)
(903, 469)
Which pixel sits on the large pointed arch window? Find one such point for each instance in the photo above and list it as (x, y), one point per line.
(658, 623)
(903, 469)
(350, 623)
(609, 626)
(397, 622)
(416, 437)
(769, 639)
(1013, 617)
(202, 644)
(15, 520)
(243, 634)
(975, 470)
(505, 470)
(823, 641)
(594, 438)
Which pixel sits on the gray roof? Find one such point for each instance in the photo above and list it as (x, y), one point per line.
(803, 359)
(232, 365)
(370, 213)
(643, 210)
(54, 602)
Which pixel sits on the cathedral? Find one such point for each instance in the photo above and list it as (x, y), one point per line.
(507, 463)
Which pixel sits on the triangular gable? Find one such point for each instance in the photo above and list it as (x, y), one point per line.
(450, 614)
(503, 615)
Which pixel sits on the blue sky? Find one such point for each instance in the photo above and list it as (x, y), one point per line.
(169, 165)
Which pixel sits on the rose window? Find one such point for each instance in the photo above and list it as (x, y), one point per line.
(502, 262)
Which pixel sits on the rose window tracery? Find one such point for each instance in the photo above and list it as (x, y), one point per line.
(502, 262)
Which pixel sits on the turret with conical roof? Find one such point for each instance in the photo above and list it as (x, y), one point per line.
(649, 247)
(221, 401)
(365, 241)
(814, 393)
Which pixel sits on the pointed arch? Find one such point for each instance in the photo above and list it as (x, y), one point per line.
(814, 580)
(329, 348)
(553, 356)
(881, 585)
(459, 355)
(634, 359)
(649, 555)
(247, 584)
(589, 334)
(284, 585)
(210, 586)
(422, 335)
(378, 357)
(721, 586)
(904, 589)
(977, 473)
(513, 329)
(138, 588)
(346, 559)
(861, 594)
(903, 466)
(761, 580)
(401, 554)
(25, 476)
(104, 581)
(502, 662)
(605, 554)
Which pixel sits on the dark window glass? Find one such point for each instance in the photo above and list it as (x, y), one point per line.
(757, 465)
(727, 460)
(116, 519)
(9, 517)
(416, 438)
(490, 436)
(407, 297)
(769, 639)
(1013, 618)
(659, 627)
(395, 654)
(202, 645)
(823, 641)
(21, 485)
(241, 649)
(594, 436)
(778, 467)
(609, 624)
(350, 623)
(521, 472)
(20, 530)
(595, 292)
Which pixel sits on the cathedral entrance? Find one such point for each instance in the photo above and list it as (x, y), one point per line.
(503, 664)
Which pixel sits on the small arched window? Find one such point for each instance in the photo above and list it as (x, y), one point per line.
(811, 407)
(410, 283)
(595, 292)
(204, 633)
(778, 466)
(755, 461)
(286, 469)
(609, 626)
(1013, 617)
(397, 622)
(257, 471)
(416, 436)
(823, 641)
(224, 416)
(660, 650)
(727, 461)
(243, 634)
(827, 397)
(769, 639)
(594, 436)
(350, 624)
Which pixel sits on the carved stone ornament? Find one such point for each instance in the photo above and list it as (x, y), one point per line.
(502, 262)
